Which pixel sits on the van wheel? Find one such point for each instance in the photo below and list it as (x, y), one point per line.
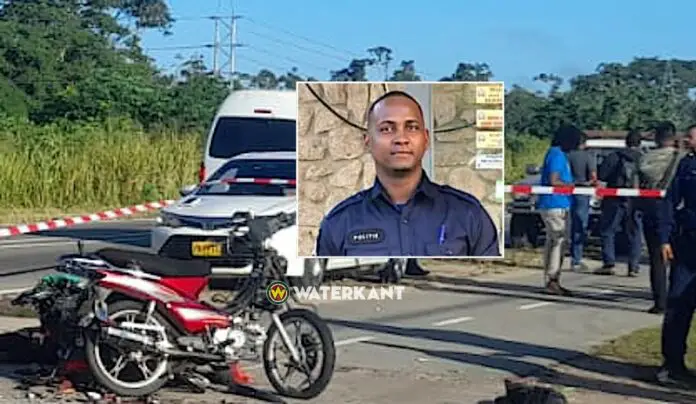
(313, 275)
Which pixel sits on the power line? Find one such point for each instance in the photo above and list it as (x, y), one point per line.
(291, 60)
(304, 38)
(288, 43)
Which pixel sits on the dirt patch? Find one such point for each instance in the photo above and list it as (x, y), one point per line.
(8, 310)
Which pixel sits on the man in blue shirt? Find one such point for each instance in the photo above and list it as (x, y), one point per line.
(554, 209)
(677, 236)
(404, 213)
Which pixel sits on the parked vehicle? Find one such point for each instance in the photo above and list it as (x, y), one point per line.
(196, 227)
(250, 121)
(144, 310)
(526, 226)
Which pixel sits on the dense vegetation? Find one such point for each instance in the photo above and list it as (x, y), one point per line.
(87, 120)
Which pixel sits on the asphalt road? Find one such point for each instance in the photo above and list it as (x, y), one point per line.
(452, 344)
(21, 257)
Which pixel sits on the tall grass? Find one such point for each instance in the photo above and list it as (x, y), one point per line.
(85, 166)
(113, 164)
(520, 151)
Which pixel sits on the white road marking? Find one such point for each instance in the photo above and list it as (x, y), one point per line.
(534, 305)
(47, 243)
(12, 291)
(355, 340)
(452, 321)
(605, 292)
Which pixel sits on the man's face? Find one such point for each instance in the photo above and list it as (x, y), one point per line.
(397, 137)
(690, 139)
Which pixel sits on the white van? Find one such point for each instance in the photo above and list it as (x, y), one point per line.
(250, 121)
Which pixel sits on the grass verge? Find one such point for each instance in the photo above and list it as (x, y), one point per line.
(643, 347)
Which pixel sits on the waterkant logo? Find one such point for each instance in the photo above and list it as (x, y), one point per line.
(277, 292)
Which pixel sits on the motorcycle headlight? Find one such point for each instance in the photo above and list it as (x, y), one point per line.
(169, 220)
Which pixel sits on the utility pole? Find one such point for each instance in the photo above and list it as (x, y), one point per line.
(216, 46)
(225, 57)
(669, 89)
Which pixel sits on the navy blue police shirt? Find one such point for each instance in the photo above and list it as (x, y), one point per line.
(672, 216)
(437, 221)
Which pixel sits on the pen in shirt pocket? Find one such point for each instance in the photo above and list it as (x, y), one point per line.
(441, 237)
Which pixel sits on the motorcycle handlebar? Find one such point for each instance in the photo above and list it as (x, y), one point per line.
(256, 230)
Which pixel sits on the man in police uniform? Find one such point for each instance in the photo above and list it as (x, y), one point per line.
(677, 235)
(404, 213)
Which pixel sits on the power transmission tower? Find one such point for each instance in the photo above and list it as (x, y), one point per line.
(225, 54)
(669, 89)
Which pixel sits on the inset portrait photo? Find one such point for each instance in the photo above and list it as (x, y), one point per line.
(398, 169)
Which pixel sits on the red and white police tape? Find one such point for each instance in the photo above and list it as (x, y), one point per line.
(572, 190)
(500, 190)
(72, 221)
(122, 212)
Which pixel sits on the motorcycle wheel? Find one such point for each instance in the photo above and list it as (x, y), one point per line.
(327, 361)
(95, 350)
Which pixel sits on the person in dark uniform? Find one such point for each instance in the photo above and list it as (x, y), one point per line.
(404, 213)
(583, 166)
(677, 235)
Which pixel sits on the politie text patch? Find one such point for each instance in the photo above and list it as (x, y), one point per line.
(369, 236)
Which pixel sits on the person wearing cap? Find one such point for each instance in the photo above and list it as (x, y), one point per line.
(404, 213)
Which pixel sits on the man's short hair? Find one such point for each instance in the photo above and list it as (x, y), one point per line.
(634, 138)
(567, 137)
(390, 94)
(665, 131)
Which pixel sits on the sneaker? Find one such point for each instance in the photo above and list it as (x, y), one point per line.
(606, 269)
(581, 267)
(632, 273)
(682, 377)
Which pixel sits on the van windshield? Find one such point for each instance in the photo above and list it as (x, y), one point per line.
(234, 136)
(266, 168)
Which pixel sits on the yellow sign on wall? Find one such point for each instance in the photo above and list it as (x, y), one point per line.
(489, 140)
(489, 119)
(489, 93)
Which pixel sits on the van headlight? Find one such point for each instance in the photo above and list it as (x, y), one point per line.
(169, 220)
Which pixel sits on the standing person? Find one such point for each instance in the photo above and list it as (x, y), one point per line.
(656, 170)
(677, 238)
(620, 170)
(554, 208)
(583, 166)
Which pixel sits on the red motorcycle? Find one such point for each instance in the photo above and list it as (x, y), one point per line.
(144, 323)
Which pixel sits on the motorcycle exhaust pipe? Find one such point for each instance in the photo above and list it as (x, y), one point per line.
(127, 335)
(149, 341)
(198, 356)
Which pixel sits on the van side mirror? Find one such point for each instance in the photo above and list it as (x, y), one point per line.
(533, 169)
(187, 190)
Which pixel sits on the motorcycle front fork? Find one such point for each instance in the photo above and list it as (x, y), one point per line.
(285, 337)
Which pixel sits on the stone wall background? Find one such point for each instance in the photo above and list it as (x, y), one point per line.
(333, 163)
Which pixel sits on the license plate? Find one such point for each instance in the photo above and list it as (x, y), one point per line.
(206, 249)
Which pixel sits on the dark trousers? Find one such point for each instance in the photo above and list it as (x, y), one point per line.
(579, 215)
(678, 315)
(615, 213)
(658, 267)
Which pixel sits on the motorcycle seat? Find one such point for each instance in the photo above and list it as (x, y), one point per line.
(155, 264)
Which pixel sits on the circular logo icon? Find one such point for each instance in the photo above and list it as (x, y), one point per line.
(277, 292)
